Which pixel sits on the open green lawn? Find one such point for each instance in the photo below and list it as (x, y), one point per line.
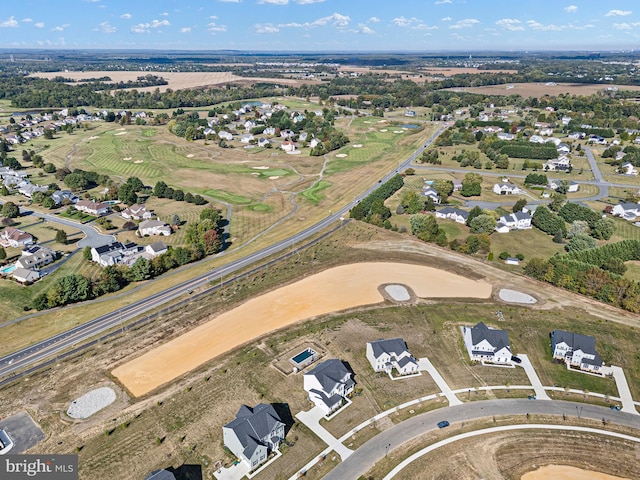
(530, 243)
(314, 194)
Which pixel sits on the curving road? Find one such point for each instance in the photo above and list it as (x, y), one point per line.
(39, 352)
(365, 457)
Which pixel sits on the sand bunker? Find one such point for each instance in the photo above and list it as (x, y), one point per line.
(120, 133)
(91, 402)
(335, 289)
(126, 158)
(138, 161)
(562, 472)
(261, 168)
(93, 138)
(398, 131)
(191, 155)
(295, 152)
(357, 145)
(512, 296)
(274, 177)
(341, 155)
(384, 130)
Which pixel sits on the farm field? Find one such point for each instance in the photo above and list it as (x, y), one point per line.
(177, 80)
(541, 89)
(176, 415)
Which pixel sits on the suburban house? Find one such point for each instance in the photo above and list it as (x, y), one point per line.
(92, 208)
(28, 189)
(432, 193)
(136, 212)
(24, 275)
(505, 136)
(35, 257)
(254, 433)
(512, 261)
(155, 249)
(60, 196)
(328, 384)
(269, 131)
(487, 344)
(314, 142)
(288, 146)
(506, 189)
(154, 227)
(225, 136)
(246, 138)
(263, 142)
(12, 237)
(409, 113)
(115, 253)
(627, 168)
(457, 184)
(562, 163)
(626, 210)
(563, 148)
(385, 355)
(451, 213)
(578, 351)
(514, 221)
(160, 475)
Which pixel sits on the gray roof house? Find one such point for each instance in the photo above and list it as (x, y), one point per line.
(328, 384)
(384, 355)
(487, 344)
(160, 475)
(60, 196)
(115, 253)
(576, 350)
(452, 213)
(254, 433)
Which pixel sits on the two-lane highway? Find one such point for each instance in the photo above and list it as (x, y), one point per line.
(39, 352)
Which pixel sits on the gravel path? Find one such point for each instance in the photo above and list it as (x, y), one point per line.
(91, 402)
(512, 296)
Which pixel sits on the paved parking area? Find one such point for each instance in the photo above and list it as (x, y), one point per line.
(24, 432)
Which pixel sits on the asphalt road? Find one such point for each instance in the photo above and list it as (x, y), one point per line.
(365, 457)
(39, 352)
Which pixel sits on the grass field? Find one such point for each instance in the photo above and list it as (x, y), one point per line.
(531, 243)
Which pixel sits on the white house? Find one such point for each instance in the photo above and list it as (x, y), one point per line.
(314, 142)
(24, 275)
(154, 227)
(578, 351)
(562, 163)
(451, 213)
(506, 189)
(263, 142)
(516, 221)
(12, 237)
(432, 193)
(627, 168)
(288, 146)
(115, 253)
(136, 212)
(536, 139)
(626, 210)
(224, 135)
(254, 433)
(573, 186)
(385, 355)
(155, 249)
(35, 257)
(563, 148)
(546, 132)
(505, 136)
(328, 384)
(487, 344)
(92, 208)
(269, 131)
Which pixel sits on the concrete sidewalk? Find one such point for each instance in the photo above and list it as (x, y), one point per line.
(425, 365)
(533, 378)
(312, 420)
(626, 399)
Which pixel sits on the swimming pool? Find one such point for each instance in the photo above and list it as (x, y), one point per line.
(302, 356)
(7, 270)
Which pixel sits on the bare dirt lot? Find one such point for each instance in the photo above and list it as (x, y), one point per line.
(563, 472)
(541, 89)
(339, 288)
(177, 80)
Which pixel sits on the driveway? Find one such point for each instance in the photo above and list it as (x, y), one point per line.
(626, 399)
(425, 365)
(533, 378)
(312, 420)
(92, 237)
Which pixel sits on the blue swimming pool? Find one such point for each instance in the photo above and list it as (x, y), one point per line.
(302, 356)
(7, 270)
(409, 125)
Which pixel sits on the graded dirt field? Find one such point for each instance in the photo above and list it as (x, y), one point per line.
(563, 472)
(177, 80)
(541, 89)
(336, 289)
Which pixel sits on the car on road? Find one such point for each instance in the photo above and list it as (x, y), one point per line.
(443, 424)
(516, 359)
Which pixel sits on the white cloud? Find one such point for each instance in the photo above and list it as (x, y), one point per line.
(159, 23)
(274, 2)
(618, 13)
(145, 27)
(413, 23)
(543, 28)
(571, 9)
(374, 20)
(286, 2)
(362, 28)
(511, 24)
(126, 16)
(60, 28)
(39, 25)
(164, 14)
(307, 2)
(266, 28)
(230, 1)
(446, 19)
(466, 23)
(213, 17)
(215, 28)
(185, 29)
(401, 22)
(626, 26)
(9, 23)
(27, 20)
(105, 27)
(139, 28)
(441, 2)
(336, 20)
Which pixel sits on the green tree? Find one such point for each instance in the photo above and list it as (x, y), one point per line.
(49, 168)
(483, 224)
(411, 202)
(578, 227)
(49, 203)
(3, 254)
(76, 181)
(61, 237)
(140, 270)
(603, 229)
(444, 189)
(175, 219)
(10, 210)
(475, 212)
(519, 205)
(211, 214)
(86, 253)
(580, 242)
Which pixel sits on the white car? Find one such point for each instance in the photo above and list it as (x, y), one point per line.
(6, 444)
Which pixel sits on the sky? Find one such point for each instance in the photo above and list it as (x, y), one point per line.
(322, 25)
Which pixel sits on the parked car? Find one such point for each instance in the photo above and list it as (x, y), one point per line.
(443, 424)
(516, 359)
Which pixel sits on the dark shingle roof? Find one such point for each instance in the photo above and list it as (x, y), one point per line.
(391, 345)
(497, 338)
(329, 373)
(251, 425)
(576, 341)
